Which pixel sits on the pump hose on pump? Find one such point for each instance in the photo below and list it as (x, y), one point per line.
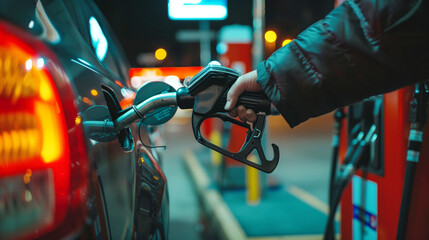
(354, 159)
(418, 118)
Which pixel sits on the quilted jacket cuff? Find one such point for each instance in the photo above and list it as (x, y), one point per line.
(271, 90)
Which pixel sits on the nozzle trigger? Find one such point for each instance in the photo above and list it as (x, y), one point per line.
(253, 141)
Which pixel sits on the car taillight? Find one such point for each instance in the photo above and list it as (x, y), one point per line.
(43, 165)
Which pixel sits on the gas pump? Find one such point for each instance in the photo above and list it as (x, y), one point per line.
(380, 146)
(363, 151)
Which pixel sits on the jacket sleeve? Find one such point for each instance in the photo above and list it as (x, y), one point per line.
(362, 48)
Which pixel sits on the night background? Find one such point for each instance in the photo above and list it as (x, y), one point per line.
(144, 26)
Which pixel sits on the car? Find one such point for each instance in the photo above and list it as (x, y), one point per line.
(60, 67)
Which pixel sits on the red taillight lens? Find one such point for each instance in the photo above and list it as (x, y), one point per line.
(43, 167)
(32, 120)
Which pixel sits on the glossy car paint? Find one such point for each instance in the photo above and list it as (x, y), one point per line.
(127, 194)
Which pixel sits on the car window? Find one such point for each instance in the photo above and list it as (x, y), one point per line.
(96, 31)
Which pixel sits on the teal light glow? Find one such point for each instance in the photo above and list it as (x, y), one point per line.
(197, 9)
(99, 41)
(221, 48)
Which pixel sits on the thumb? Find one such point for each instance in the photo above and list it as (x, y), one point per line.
(233, 93)
(246, 82)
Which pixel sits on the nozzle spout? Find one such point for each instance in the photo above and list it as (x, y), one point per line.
(140, 110)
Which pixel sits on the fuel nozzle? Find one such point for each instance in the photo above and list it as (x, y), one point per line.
(206, 94)
(156, 103)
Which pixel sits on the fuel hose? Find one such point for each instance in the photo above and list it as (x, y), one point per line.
(353, 161)
(338, 116)
(418, 118)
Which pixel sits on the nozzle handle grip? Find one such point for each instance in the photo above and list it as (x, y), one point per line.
(257, 101)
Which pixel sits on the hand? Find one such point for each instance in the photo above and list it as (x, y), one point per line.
(245, 83)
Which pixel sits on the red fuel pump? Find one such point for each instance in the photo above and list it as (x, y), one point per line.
(382, 201)
(371, 204)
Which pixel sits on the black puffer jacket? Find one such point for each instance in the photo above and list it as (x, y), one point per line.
(362, 48)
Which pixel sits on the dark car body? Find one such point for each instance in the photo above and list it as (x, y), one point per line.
(79, 185)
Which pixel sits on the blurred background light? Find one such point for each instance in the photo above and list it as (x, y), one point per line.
(221, 48)
(40, 63)
(78, 120)
(197, 9)
(270, 36)
(286, 42)
(160, 54)
(28, 64)
(94, 92)
(98, 39)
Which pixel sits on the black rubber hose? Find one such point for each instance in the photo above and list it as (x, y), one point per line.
(329, 230)
(334, 164)
(406, 200)
(418, 117)
(343, 179)
(339, 116)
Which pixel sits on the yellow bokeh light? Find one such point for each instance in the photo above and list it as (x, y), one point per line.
(78, 120)
(94, 92)
(270, 36)
(160, 54)
(286, 42)
(87, 101)
(27, 176)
